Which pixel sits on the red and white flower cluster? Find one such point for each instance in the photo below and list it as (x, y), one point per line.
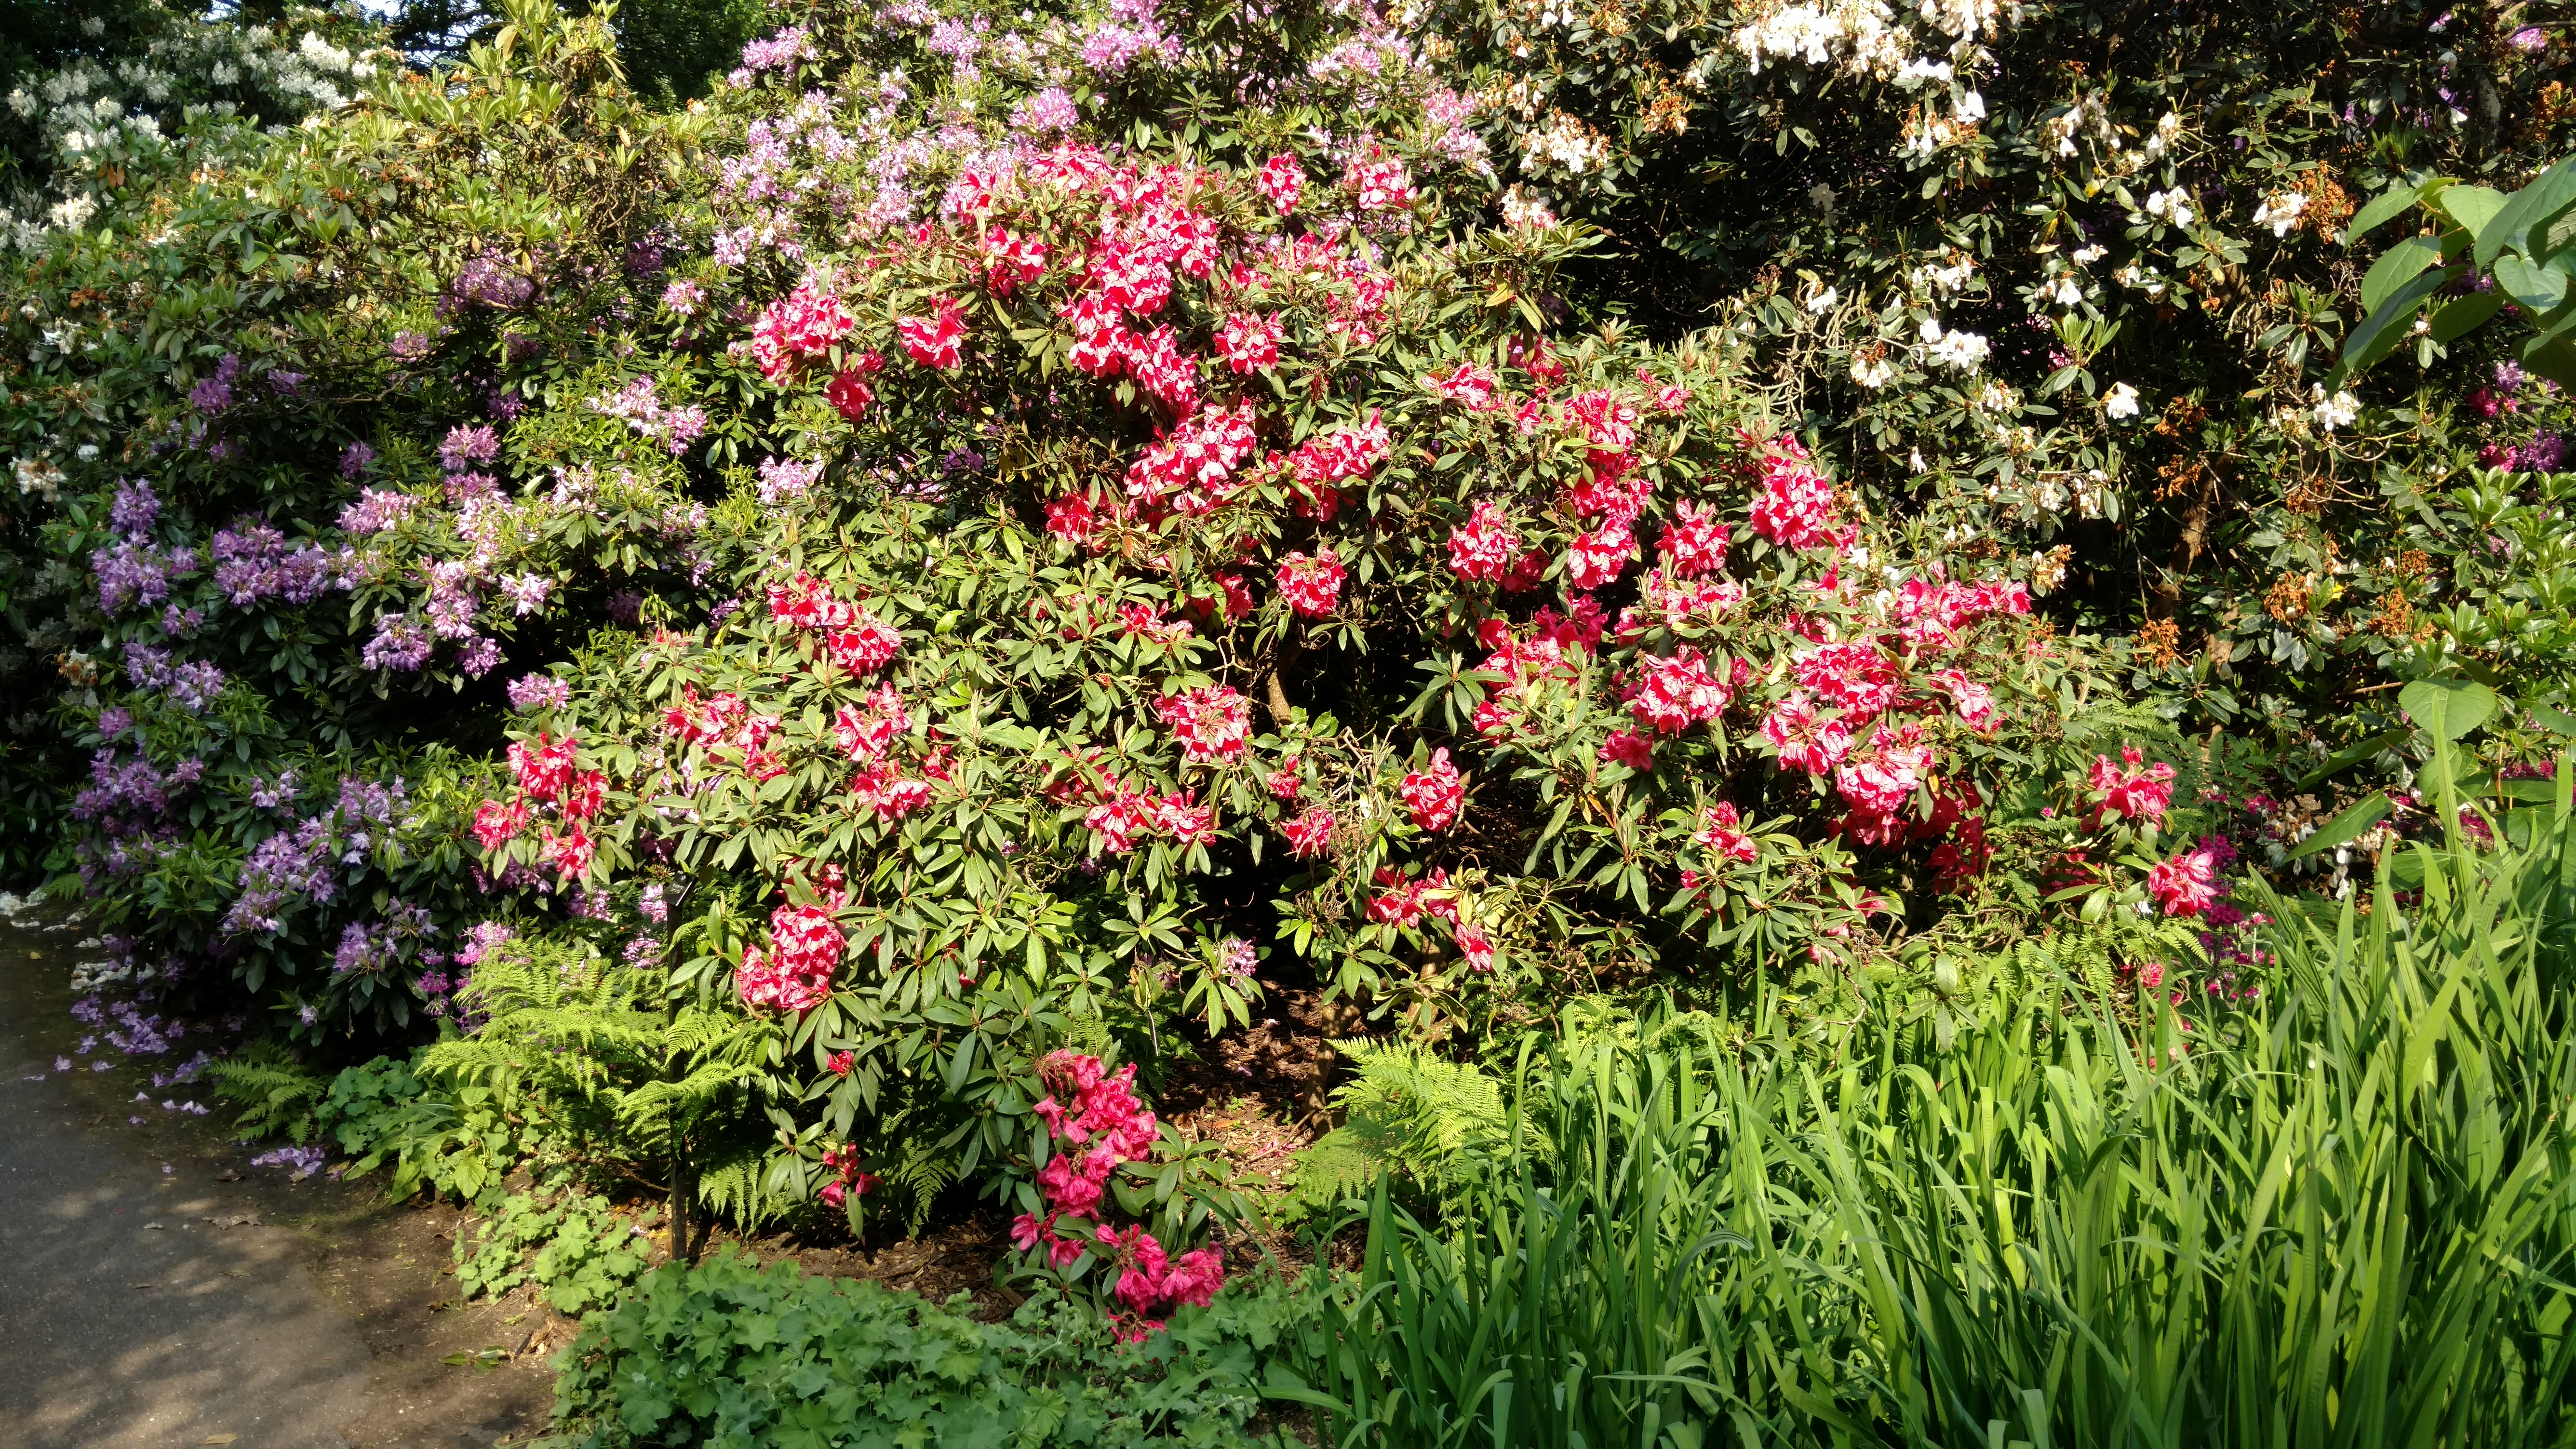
(548, 783)
(725, 722)
(2132, 789)
(803, 324)
(1797, 508)
(1212, 723)
(795, 973)
(1109, 1127)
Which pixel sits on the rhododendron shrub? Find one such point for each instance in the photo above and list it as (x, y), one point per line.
(1221, 574)
(939, 582)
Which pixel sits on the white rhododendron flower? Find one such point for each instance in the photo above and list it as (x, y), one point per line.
(2120, 402)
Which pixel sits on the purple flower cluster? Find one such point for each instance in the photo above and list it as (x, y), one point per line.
(538, 691)
(399, 644)
(133, 572)
(214, 392)
(486, 281)
(783, 479)
(134, 509)
(1047, 111)
(252, 562)
(409, 346)
(674, 428)
(378, 510)
(355, 459)
(465, 446)
(299, 862)
(192, 684)
(1133, 29)
(374, 948)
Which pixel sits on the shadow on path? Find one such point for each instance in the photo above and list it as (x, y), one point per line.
(144, 1301)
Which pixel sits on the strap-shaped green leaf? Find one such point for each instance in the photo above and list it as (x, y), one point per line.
(2380, 332)
(2394, 270)
(2390, 203)
(2342, 829)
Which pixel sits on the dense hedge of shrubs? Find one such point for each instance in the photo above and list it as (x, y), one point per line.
(822, 638)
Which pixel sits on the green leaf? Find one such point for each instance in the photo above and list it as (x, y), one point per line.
(2390, 203)
(2379, 335)
(2555, 720)
(2463, 315)
(2401, 265)
(2471, 206)
(2447, 708)
(2540, 288)
(2343, 828)
(2511, 223)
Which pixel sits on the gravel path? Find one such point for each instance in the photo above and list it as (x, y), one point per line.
(147, 1301)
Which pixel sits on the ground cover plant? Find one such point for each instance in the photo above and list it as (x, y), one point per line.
(807, 648)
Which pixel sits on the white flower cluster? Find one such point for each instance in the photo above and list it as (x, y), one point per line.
(90, 116)
(1565, 144)
(1524, 211)
(1950, 274)
(1858, 36)
(2281, 211)
(2173, 206)
(1962, 351)
(1865, 38)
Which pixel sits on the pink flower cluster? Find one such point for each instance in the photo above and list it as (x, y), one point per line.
(725, 722)
(544, 772)
(1434, 793)
(1193, 467)
(2133, 789)
(847, 1180)
(1212, 722)
(938, 340)
(1721, 834)
(1482, 549)
(1879, 781)
(795, 973)
(1674, 692)
(1796, 508)
(1311, 583)
(1382, 185)
(803, 324)
(1861, 678)
(1280, 182)
(1249, 342)
(1122, 813)
(1105, 1117)
(2186, 884)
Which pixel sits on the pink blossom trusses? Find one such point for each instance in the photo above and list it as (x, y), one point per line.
(1212, 723)
(1721, 834)
(1694, 542)
(803, 324)
(1309, 834)
(2141, 794)
(1434, 793)
(795, 973)
(1312, 583)
(1482, 548)
(1806, 739)
(1470, 385)
(865, 644)
(1281, 181)
(937, 340)
(2186, 884)
(1678, 691)
(1859, 677)
(1249, 342)
(1796, 508)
